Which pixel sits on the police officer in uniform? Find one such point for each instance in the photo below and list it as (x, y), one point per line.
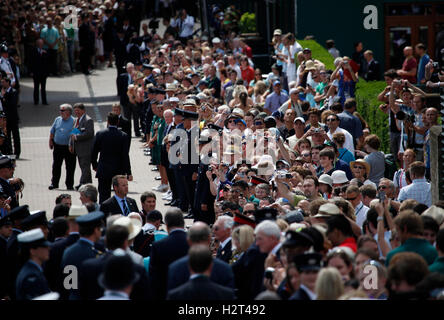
(204, 200)
(14, 260)
(7, 167)
(187, 168)
(5, 233)
(31, 281)
(90, 230)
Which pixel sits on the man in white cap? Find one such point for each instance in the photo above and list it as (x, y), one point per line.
(31, 282)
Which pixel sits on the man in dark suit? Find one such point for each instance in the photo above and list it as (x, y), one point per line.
(166, 251)
(371, 68)
(178, 271)
(123, 81)
(86, 43)
(120, 54)
(119, 203)
(123, 123)
(90, 232)
(116, 238)
(307, 263)
(112, 144)
(82, 142)
(9, 97)
(199, 286)
(222, 232)
(39, 71)
(31, 281)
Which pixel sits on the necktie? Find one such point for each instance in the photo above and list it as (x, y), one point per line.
(77, 122)
(125, 208)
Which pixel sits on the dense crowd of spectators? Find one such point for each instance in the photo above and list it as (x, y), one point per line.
(287, 185)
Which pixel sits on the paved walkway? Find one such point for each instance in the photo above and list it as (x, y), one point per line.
(98, 92)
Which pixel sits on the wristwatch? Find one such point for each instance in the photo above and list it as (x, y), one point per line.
(380, 218)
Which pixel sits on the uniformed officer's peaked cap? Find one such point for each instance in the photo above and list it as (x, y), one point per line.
(190, 115)
(265, 214)
(19, 213)
(36, 218)
(178, 112)
(33, 238)
(308, 261)
(297, 239)
(6, 220)
(91, 219)
(6, 162)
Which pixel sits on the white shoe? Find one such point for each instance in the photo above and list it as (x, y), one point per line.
(169, 198)
(166, 194)
(161, 188)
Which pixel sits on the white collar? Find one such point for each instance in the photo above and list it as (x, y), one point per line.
(276, 248)
(223, 243)
(115, 293)
(310, 293)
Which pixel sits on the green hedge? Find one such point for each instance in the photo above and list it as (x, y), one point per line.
(319, 52)
(367, 99)
(366, 95)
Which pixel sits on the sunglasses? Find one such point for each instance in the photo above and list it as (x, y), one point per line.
(258, 123)
(249, 212)
(331, 119)
(63, 110)
(358, 167)
(351, 199)
(230, 121)
(382, 187)
(305, 155)
(216, 228)
(342, 189)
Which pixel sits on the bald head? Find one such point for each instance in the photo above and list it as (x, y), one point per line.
(199, 233)
(408, 51)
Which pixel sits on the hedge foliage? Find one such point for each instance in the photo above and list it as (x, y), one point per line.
(319, 52)
(366, 95)
(368, 107)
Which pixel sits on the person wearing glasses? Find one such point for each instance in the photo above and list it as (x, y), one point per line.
(353, 194)
(361, 169)
(59, 138)
(333, 127)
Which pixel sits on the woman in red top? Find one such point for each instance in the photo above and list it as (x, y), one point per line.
(247, 71)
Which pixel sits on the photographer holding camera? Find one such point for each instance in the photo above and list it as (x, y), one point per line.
(184, 24)
(412, 126)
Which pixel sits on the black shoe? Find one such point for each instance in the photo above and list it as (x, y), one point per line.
(36, 103)
(51, 187)
(174, 203)
(70, 188)
(77, 187)
(168, 203)
(45, 103)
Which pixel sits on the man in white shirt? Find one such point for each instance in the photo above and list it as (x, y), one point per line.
(185, 25)
(332, 122)
(353, 194)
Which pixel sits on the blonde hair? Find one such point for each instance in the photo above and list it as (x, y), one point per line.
(238, 90)
(244, 234)
(282, 224)
(357, 294)
(329, 285)
(260, 87)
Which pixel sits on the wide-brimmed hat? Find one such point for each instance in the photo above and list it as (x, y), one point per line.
(339, 177)
(436, 213)
(326, 179)
(134, 226)
(77, 211)
(310, 65)
(327, 210)
(363, 162)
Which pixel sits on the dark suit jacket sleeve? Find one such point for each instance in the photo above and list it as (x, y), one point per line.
(96, 150)
(125, 155)
(89, 131)
(133, 205)
(154, 272)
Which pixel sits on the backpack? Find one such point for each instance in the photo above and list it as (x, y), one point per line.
(390, 166)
